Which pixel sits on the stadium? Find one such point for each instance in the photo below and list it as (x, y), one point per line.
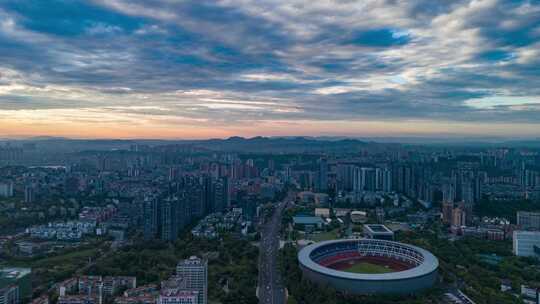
(369, 266)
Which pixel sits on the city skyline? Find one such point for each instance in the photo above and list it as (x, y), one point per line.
(207, 69)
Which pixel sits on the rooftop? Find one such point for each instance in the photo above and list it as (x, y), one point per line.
(307, 220)
(377, 228)
(14, 273)
(193, 260)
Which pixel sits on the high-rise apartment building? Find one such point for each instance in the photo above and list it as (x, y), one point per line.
(15, 285)
(150, 218)
(10, 295)
(526, 243)
(448, 193)
(364, 179)
(459, 217)
(345, 176)
(195, 273)
(91, 286)
(528, 220)
(175, 291)
(467, 192)
(322, 179)
(6, 189)
(29, 194)
(447, 208)
(369, 178)
(387, 180)
(169, 219)
(220, 195)
(468, 208)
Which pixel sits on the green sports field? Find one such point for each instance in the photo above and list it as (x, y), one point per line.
(365, 267)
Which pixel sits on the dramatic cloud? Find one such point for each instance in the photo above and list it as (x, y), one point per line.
(247, 65)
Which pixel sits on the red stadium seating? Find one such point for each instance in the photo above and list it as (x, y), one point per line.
(344, 260)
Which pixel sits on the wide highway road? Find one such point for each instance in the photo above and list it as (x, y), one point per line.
(271, 289)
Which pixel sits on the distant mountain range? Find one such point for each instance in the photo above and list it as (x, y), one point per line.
(232, 144)
(268, 144)
(289, 144)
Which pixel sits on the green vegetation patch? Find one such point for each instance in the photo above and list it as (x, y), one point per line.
(506, 209)
(366, 267)
(326, 236)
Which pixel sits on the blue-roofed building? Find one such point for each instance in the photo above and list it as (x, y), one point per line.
(307, 222)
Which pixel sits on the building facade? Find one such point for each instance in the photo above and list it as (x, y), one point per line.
(526, 243)
(16, 280)
(9, 295)
(195, 273)
(6, 189)
(528, 220)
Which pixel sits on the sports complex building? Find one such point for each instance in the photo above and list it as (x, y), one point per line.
(369, 266)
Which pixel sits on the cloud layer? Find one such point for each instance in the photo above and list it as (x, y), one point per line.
(244, 64)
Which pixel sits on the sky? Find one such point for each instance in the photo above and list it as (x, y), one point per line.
(218, 68)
